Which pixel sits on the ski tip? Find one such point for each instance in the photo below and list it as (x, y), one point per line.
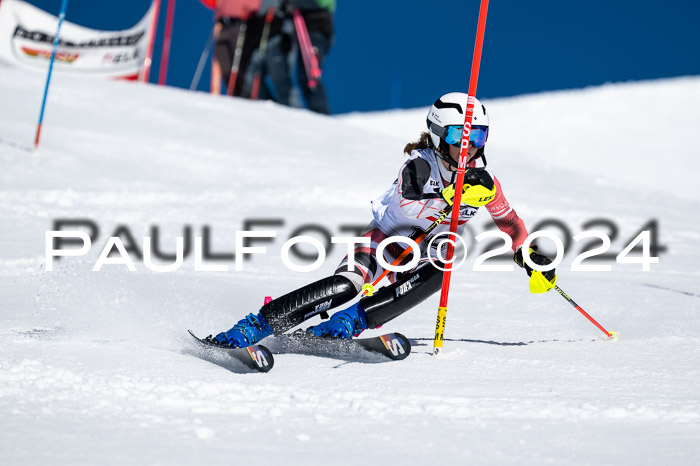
(201, 341)
(195, 336)
(397, 346)
(261, 358)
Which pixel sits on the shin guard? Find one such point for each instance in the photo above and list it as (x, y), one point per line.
(292, 309)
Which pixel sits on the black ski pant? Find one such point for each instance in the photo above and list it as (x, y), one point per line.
(408, 290)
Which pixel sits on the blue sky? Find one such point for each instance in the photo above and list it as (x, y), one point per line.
(404, 53)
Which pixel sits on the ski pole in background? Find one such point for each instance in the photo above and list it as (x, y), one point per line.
(610, 335)
(61, 16)
(462, 165)
(263, 51)
(215, 79)
(202, 61)
(165, 52)
(237, 54)
(313, 72)
(146, 70)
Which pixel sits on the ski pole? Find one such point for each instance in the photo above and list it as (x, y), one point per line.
(202, 61)
(313, 72)
(461, 168)
(237, 54)
(165, 52)
(148, 59)
(585, 314)
(61, 15)
(368, 289)
(263, 51)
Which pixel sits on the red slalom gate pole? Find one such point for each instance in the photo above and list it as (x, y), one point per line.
(165, 52)
(146, 70)
(461, 168)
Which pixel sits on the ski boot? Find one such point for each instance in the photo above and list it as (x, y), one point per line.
(345, 324)
(246, 332)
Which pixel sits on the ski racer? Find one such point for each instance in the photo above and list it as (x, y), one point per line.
(425, 186)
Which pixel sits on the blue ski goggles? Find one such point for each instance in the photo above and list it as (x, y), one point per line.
(479, 134)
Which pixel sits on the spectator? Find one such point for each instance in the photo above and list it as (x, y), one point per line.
(318, 17)
(255, 86)
(237, 33)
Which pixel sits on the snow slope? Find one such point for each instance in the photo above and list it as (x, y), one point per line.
(96, 367)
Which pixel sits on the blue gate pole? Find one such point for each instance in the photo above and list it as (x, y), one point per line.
(62, 15)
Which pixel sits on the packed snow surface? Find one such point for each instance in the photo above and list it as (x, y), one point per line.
(98, 368)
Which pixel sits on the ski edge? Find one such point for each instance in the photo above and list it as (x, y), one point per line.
(392, 346)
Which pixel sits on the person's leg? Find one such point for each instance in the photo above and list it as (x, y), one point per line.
(251, 43)
(277, 65)
(225, 46)
(265, 93)
(365, 268)
(290, 310)
(286, 312)
(407, 291)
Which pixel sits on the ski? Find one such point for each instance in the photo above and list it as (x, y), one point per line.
(391, 346)
(256, 358)
(313, 71)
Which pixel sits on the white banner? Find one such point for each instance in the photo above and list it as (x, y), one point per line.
(27, 34)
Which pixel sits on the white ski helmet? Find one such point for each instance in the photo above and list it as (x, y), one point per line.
(446, 119)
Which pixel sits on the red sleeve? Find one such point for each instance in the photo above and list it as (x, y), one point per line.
(506, 218)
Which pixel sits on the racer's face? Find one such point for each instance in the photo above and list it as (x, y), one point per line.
(454, 151)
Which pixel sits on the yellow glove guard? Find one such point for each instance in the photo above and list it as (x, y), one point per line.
(448, 194)
(539, 284)
(475, 196)
(478, 195)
